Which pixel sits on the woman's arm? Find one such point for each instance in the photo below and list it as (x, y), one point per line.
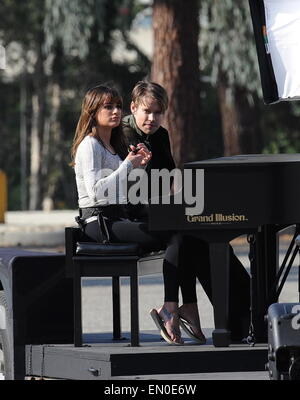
(97, 180)
(109, 184)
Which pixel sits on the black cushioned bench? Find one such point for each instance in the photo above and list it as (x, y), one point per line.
(109, 265)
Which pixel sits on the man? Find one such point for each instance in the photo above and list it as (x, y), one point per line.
(148, 106)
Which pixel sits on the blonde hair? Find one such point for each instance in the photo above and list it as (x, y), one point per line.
(93, 100)
(150, 89)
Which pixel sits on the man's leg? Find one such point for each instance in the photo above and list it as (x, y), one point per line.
(239, 285)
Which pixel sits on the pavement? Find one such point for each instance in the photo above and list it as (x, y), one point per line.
(45, 231)
(36, 228)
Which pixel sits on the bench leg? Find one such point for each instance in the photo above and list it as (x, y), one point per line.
(77, 306)
(134, 310)
(116, 308)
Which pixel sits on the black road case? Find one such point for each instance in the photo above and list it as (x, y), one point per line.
(284, 341)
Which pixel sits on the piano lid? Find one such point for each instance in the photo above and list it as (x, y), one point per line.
(247, 159)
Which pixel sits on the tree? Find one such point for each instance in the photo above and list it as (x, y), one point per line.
(64, 47)
(176, 67)
(30, 40)
(228, 51)
(84, 33)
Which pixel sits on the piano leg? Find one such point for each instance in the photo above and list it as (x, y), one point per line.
(219, 264)
(263, 272)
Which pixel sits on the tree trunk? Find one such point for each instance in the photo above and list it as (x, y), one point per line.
(23, 139)
(37, 130)
(240, 121)
(230, 120)
(176, 67)
(53, 147)
(35, 157)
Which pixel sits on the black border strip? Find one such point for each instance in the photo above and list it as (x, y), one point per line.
(268, 80)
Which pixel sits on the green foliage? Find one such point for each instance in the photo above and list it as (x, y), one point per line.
(281, 144)
(21, 21)
(71, 22)
(227, 43)
(77, 42)
(227, 49)
(280, 123)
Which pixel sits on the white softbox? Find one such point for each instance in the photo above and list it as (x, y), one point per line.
(276, 26)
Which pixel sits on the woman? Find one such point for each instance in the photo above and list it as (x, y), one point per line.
(102, 164)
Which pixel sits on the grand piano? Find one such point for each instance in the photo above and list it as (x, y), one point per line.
(256, 195)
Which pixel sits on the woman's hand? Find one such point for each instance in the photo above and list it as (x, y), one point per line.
(139, 155)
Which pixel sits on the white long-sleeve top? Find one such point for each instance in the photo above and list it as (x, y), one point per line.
(101, 177)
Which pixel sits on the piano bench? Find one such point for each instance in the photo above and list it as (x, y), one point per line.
(112, 265)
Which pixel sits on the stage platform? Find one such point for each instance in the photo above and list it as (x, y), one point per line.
(103, 359)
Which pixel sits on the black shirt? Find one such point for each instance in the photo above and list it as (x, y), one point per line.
(158, 143)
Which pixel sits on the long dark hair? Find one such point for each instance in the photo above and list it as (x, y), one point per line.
(86, 125)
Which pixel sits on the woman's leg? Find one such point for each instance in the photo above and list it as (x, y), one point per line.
(193, 252)
(138, 232)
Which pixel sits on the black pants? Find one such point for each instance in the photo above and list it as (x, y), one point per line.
(125, 230)
(186, 257)
(196, 258)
